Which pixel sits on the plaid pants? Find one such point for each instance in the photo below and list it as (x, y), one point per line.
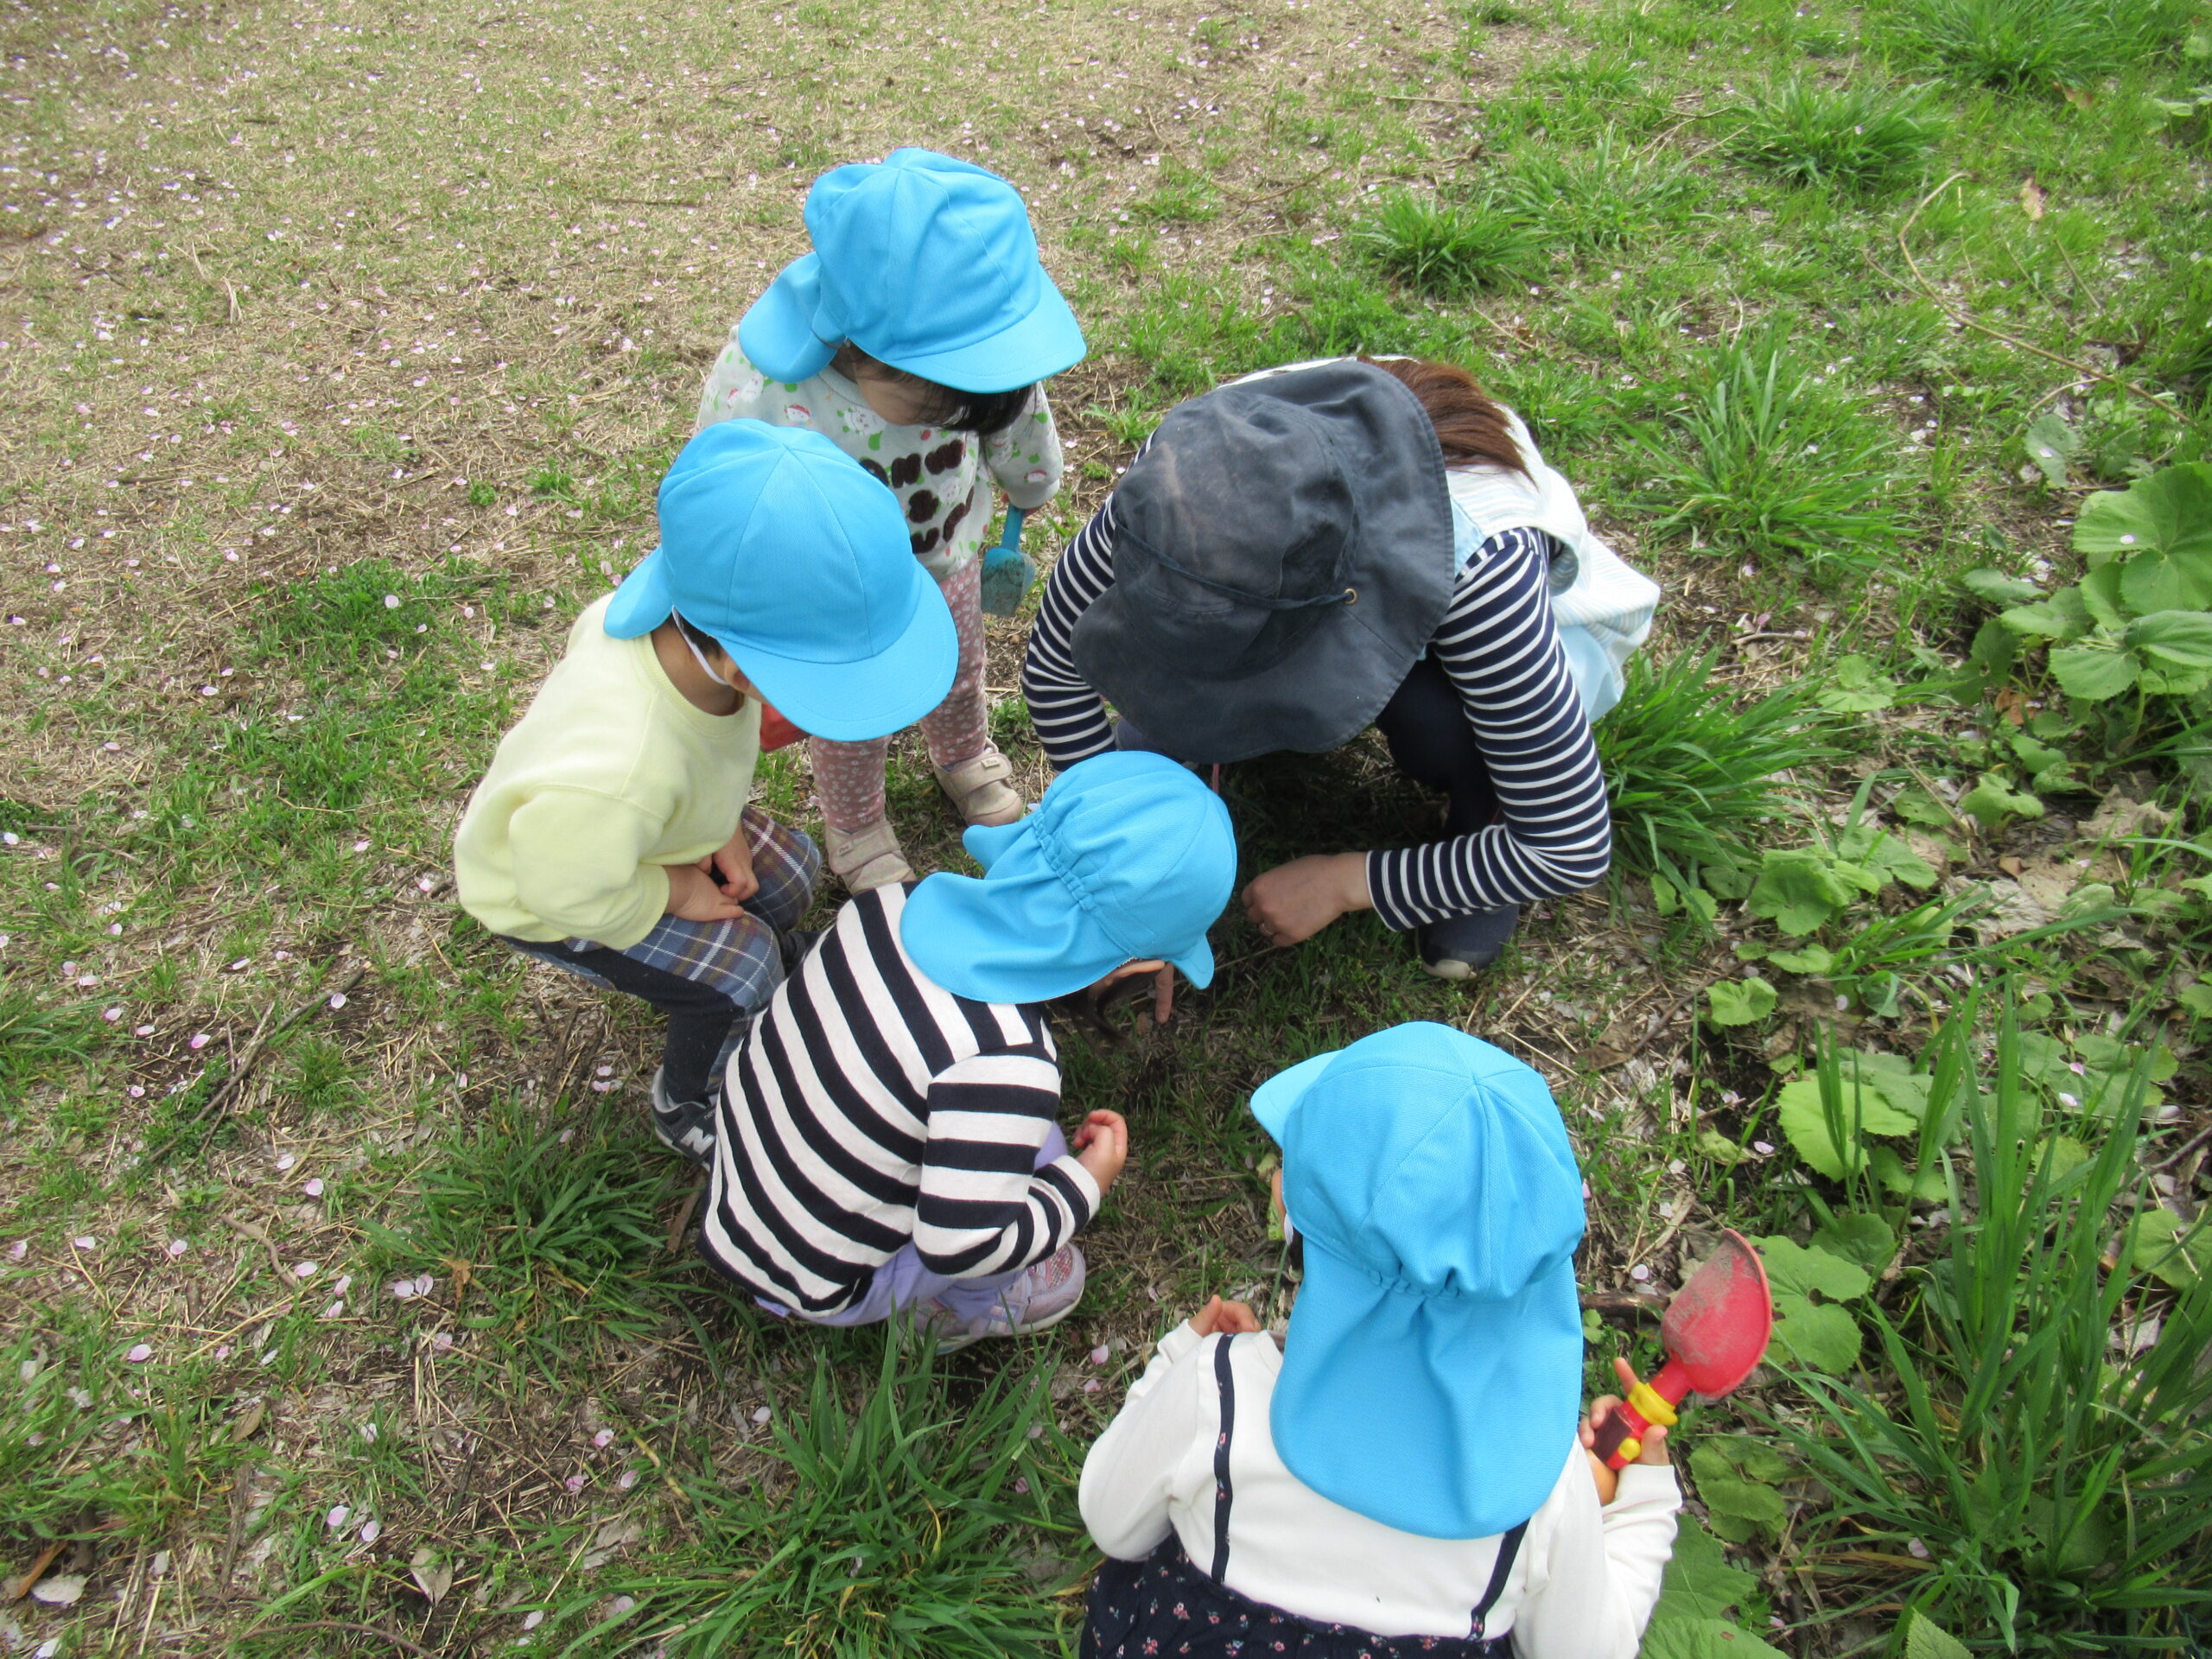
(709, 977)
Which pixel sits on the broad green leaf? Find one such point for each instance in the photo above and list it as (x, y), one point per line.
(1891, 1076)
(1890, 1168)
(2093, 673)
(1797, 1109)
(2197, 997)
(1718, 1148)
(2110, 1054)
(1804, 1270)
(2182, 639)
(1859, 1237)
(1703, 1638)
(1918, 805)
(1821, 1336)
(1754, 1459)
(2164, 581)
(1739, 1001)
(1808, 959)
(2164, 1244)
(2065, 1153)
(2062, 616)
(2000, 589)
(2101, 597)
(1994, 800)
(1724, 1491)
(1887, 854)
(2048, 442)
(1925, 1639)
(1798, 890)
(2169, 512)
(1859, 687)
(2035, 757)
(1699, 1582)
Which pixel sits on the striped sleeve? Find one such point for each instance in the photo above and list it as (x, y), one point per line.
(1500, 647)
(984, 1207)
(1067, 711)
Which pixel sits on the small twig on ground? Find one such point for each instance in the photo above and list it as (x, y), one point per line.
(1966, 319)
(1623, 1301)
(243, 1067)
(683, 1216)
(22, 1587)
(2182, 1150)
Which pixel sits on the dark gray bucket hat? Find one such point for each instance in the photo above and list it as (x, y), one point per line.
(1282, 557)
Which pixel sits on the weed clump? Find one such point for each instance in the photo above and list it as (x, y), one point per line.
(2017, 45)
(1602, 198)
(1446, 250)
(1858, 140)
(1764, 459)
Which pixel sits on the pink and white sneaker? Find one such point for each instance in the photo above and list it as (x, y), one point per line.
(1044, 1295)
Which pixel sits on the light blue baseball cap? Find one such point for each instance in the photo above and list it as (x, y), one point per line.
(925, 263)
(774, 541)
(1127, 858)
(1432, 1376)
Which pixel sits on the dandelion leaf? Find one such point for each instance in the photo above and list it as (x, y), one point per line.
(1805, 1269)
(1819, 1336)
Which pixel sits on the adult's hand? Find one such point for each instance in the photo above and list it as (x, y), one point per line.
(1294, 901)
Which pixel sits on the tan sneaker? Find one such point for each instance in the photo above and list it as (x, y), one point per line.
(867, 858)
(979, 789)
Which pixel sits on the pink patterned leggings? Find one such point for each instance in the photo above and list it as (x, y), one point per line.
(848, 776)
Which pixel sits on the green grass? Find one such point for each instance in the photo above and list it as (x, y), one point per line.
(2043, 45)
(1446, 250)
(1856, 139)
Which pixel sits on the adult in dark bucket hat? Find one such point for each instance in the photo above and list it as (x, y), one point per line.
(1304, 553)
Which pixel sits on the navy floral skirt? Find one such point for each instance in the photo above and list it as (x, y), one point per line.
(1163, 1607)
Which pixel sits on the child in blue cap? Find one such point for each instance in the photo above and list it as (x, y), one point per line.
(612, 836)
(916, 337)
(1407, 1473)
(888, 1135)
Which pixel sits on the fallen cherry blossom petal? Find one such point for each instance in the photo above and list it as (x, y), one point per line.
(442, 1341)
(142, 1031)
(1639, 1273)
(345, 1283)
(1916, 1549)
(369, 1433)
(313, 1187)
(200, 1040)
(176, 1247)
(1099, 1355)
(1090, 1385)
(762, 1415)
(1022, 1485)
(623, 1603)
(86, 1242)
(306, 1269)
(284, 1161)
(574, 1484)
(139, 1354)
(604, 1439)
(111, 1015)
(403, 1288)
(222, 1351)
(424, 1284)
(338, 999)
(136, 1091)
(19, 1249)
(531, 1621)
(371, 1531)
(1765, 1149)
(627, 1479)
(337, 1516)
(334, 1310)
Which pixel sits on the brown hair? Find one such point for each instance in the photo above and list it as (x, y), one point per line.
(1471, 428)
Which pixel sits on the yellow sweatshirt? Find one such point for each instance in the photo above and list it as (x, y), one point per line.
(611, 776)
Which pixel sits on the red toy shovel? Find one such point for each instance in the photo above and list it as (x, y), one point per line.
(1715, 1332)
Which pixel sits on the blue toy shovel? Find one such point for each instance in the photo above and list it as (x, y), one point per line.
(1007, 571)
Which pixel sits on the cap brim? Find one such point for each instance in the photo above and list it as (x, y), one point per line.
(1022, 939)
(777, 334)
(986, 842)
(1197, 964)
(1040, 345)
(643, 603)
(1447, 1417)
(1273, 1099)
(875, 697)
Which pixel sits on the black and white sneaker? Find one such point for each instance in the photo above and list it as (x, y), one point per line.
(685, 1127)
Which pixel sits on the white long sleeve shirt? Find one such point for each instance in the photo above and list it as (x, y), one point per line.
(1582, 1587)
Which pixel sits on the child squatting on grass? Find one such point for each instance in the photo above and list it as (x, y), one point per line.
(612, 836)
(915, 337)
(887, 1140)
(1406, 1474)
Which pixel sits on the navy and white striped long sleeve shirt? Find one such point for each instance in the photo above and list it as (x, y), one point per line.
(1498, 644)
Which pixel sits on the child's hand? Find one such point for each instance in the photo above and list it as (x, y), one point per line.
(732, 867)
(693, 895)
(1655, 1437)
(1102, 1145)
(1218, 1316)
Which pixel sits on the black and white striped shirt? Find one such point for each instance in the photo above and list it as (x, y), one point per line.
(870, 1107)
(1498, 644)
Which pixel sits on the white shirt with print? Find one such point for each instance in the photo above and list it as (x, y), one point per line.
(937, 475)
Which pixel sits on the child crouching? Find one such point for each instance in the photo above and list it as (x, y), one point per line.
(611, 837)
(1406, 1475)
(887, 1132)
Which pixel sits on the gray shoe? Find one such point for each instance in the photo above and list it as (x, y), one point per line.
(1459, 947)
(685, 1127)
